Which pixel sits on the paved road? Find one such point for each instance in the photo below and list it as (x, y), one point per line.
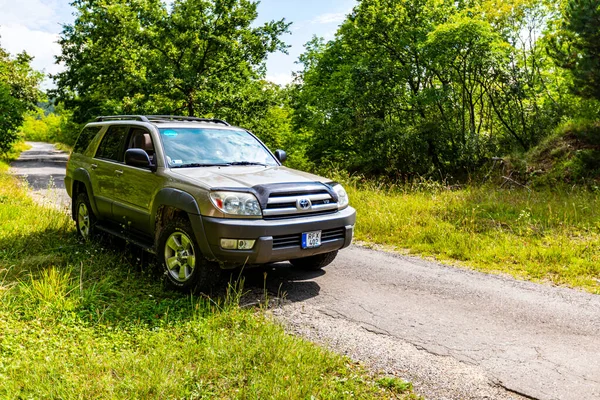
(44, 169)
(456, 334)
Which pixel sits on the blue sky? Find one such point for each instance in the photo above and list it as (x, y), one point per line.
(34, 25)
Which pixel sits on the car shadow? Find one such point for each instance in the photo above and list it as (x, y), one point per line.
(281, 281)
(277, 281)
(121, 284)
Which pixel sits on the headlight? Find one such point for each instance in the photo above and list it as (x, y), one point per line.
(342, 196)
(235, 203)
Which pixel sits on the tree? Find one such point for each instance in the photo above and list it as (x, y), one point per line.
(427, 87)
(19, 93)
(137, 56)
(576, 46)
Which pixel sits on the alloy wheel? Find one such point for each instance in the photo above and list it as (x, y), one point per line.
(180, 257)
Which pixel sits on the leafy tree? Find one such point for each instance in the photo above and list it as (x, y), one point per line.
(19, 92)
(137, 56)
(427, 87)
(576, 46)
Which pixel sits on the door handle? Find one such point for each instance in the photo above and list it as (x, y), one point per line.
(118, 172)
(94, 166)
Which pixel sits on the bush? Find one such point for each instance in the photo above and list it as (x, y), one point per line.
(52, 128)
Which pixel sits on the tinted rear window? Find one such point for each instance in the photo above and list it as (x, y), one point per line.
(113, 142)
(85, 138)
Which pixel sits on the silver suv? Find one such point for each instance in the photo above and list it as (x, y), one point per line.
(203, 196)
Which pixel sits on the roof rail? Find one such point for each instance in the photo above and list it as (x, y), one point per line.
(159, 118)
(162, 118)
(122, 118)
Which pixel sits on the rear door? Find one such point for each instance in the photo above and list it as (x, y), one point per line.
(135, 187)
(106, 164)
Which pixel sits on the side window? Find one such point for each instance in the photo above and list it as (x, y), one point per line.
(85, 138)
(141, 139)
(111, 147)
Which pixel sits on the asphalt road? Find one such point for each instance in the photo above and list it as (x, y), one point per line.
(43, 167)
(454, 333)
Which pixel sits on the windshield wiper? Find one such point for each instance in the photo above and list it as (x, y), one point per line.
(196, 165)
(247, 163)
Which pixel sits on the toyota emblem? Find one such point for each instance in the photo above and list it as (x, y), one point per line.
(304, 204)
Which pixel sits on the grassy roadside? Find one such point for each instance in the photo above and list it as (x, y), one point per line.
(551, 235)
(84, 321)
(14, 153)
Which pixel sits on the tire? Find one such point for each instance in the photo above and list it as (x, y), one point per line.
(185, 268)
(84, 217)
(316, 262)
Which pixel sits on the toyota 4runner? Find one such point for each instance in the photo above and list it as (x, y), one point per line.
(203, 196)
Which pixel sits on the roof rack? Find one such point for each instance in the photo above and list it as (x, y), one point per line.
(160, 118)
(163, 118)
(122, 118)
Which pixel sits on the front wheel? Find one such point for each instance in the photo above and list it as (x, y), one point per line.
(315, 262)
(85, 219)
(185, 267)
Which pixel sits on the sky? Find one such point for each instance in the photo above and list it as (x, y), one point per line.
(35, 25)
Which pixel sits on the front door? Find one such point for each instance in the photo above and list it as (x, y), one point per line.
(135, 187)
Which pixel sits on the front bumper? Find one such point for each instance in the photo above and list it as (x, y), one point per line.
(275, 239)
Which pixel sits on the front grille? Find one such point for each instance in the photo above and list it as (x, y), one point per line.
(290, 204)
(295, 240)
(280, 242)
(333, 234)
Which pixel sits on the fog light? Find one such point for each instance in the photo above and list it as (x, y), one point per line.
(229, 244)
(245, 244)
(237, 244)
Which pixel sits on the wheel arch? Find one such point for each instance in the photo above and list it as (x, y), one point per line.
(172, 203)
(82, 183)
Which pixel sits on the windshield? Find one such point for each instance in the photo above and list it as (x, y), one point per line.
(202, 147)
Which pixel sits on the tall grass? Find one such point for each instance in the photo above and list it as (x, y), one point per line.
(89, 320)
(547, 235)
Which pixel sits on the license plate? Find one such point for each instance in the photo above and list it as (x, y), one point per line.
(311, 239)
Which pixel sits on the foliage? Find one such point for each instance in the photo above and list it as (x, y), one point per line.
(576, 45)
(54, 127)
(19, 92)
(142, 57)
(84, 320)
(429, 88)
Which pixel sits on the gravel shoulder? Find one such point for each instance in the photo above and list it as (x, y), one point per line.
(456, 334)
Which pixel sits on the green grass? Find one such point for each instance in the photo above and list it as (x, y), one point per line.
(548, 235)
(14, 153)
(85, 321)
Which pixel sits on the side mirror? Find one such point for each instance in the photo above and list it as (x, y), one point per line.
(281, 155)
(138, 158)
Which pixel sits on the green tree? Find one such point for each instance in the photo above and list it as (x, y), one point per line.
(576, 46)
(19, 93)
(427, 87)
(138, 56)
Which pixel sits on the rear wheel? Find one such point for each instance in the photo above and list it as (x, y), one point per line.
(85, 220)
(185, 267)
(315, 262)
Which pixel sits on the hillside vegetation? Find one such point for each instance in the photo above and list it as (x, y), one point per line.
(571, 156)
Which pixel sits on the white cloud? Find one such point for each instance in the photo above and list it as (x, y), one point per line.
(34, 14)
(41, 45)
(33, 26)
(329, 18)
(281, 79)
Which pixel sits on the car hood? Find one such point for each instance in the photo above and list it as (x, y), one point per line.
(243, 176)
